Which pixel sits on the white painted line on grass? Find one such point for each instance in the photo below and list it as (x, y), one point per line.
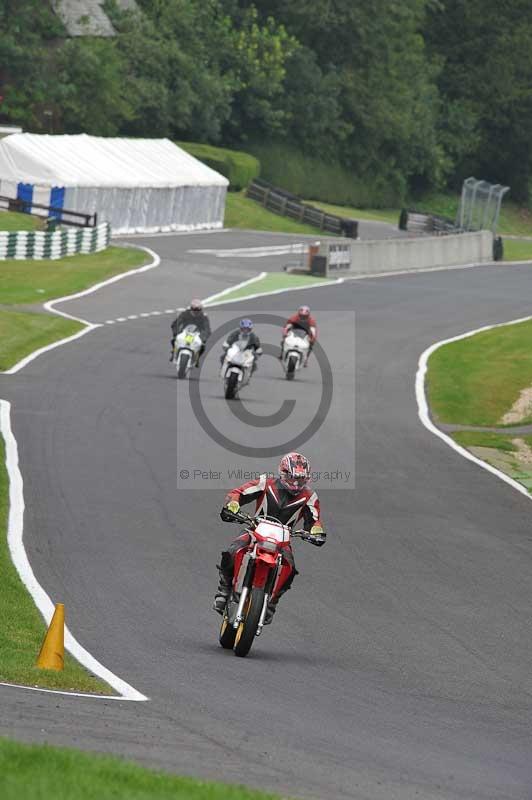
(43, 602)
(210, 300)
(319, 285)
(423, 408)
(68, 694)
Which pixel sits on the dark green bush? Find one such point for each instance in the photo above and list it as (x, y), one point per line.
(239, 168)
(314, 179)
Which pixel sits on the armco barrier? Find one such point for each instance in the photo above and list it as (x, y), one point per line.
(409, 255)
(39, 245)
(290, 205)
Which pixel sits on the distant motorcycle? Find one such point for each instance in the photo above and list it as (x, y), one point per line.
(257, 574)
(187, 346)
(295, 351)
(237, 367)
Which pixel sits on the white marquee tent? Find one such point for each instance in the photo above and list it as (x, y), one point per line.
(137, 185)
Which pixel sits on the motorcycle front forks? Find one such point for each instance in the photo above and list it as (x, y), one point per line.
(268, 591)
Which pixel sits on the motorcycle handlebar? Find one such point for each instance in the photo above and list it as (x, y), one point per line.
(244, 518)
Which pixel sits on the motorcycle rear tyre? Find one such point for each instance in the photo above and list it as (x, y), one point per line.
(247, 629)
(230, 386)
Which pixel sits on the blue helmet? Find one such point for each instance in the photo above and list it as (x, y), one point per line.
(246, 325)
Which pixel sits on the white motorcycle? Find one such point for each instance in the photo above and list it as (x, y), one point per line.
(237, 367)
(295, 351)
(188, 343)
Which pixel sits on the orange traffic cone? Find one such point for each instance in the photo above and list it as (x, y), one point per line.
(52, 655)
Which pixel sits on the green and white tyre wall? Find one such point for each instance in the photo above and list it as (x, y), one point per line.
(66, 242)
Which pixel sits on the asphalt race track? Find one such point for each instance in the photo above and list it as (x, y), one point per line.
(400, 664)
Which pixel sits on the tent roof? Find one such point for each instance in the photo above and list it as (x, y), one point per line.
(84, 160)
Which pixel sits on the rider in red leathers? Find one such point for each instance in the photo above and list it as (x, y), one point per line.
(304, 320)
(289, 499)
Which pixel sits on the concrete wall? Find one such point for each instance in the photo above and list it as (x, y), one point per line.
(391, 255)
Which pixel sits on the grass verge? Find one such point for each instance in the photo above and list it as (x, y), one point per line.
(390, 215)
(513, 221)
(274, 281)
(21, 333)
(37, 281)
(495, 441)
(511, 455)
(22, 628)
(13, 221)
(40, 771)
(516, 250)
(475, 381)
(241, 212)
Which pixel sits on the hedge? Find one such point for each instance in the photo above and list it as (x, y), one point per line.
(239, 168)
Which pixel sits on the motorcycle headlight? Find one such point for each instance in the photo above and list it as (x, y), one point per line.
(270, 547)
(189, 339)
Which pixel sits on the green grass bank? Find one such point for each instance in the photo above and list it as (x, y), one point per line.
(41, 772)
(476, 381)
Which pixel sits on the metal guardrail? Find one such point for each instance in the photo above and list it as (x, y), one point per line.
(428, 224)
(290, 205)
(60, 215)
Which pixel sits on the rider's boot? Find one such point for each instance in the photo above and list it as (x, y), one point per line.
(222, 593)
(270, 610)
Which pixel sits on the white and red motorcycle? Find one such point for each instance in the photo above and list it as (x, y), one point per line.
(296, 346)
(260, 571)
(237, 367)
(187, 347)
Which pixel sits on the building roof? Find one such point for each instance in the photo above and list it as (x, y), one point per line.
(84, 160)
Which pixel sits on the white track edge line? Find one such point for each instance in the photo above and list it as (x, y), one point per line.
(15, 528)
(423, 408)
(16, 496)
(90, 326)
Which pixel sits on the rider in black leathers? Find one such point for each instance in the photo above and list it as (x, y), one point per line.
(193, 315)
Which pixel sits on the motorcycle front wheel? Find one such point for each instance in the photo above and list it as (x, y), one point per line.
(291, 368)
(245, 633)
(182, 365)
(227, 632)
(231, 385)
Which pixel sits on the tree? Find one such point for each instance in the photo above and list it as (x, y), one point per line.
(487, 77)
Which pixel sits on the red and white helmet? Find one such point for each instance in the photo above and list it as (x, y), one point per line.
(196, 306)
(294, 472)
(303, 311)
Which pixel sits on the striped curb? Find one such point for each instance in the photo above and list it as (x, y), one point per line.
(36, 245)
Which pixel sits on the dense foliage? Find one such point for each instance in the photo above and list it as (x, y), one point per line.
(404, 95)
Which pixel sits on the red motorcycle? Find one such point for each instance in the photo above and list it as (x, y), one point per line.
(263, 575)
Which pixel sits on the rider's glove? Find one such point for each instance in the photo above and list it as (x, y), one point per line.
(317, 535)
(228, 511)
